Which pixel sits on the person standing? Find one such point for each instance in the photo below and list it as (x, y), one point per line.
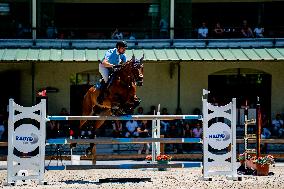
(2, 128)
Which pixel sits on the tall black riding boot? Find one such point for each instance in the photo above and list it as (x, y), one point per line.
(101, 96)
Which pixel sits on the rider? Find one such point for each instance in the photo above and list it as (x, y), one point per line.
(112, 59)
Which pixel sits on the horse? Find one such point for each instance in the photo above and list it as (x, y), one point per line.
(121, 95)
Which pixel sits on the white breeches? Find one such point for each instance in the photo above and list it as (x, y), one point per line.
(104, 72)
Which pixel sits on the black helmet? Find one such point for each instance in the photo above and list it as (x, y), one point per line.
(121, 44)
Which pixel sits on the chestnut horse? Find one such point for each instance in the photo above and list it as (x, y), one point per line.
(121, 95)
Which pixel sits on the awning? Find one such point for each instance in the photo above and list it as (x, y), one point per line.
(178, 54)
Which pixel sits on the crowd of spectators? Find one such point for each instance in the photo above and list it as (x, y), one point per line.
(169, 129)
(205, 30)
(245, 30)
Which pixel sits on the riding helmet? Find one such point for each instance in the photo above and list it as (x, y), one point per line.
(121, 44)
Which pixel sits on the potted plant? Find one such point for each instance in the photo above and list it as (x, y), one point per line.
(248, 161)
(262, 164)
(161, 159)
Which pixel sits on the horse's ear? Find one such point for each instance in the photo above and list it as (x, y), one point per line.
(142, 58)
(133, 58)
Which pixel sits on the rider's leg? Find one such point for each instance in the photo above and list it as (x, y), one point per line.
(105, 73)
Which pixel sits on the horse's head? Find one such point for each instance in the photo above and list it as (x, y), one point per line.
(132, 71)
(137, 70)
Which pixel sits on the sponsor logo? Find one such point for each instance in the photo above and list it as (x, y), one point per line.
(220, 136)
(27, 139)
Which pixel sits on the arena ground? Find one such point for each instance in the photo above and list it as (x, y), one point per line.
(172, 178)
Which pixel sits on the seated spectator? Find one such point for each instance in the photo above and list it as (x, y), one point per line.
(258, 31)
(202, 31)
(117, 129)
(51, 129)
(51, 31)
(87, 132)
(265, 134)
(63, 126)
(117, 34)
(174, 132)
(187, 133)
(131, 129)
(198, 131)
(144, 132)
(246, 31)
(277, 126)
(179, 122)
(218, 31)
(140, 111)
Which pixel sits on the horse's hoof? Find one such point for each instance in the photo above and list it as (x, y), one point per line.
(115, 108)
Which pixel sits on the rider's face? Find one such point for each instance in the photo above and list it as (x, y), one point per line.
(121, 50)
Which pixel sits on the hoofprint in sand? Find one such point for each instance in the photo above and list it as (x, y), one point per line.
(173, 178)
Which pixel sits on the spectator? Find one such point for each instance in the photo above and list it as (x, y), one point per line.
(51, 31)
(187, 133)
(140, 111)
(164, 29)
(52, 130)
(265, 134)
(258, 31)
(202, 31)
(179, 122)
(117, 129)
(164, 123)
(63, 126)
(152, 110)
(197, 132)
(277, 126)
(131, 129)
(144, 132)
(218, 31)
(246, 31)
(87, 132)
(2, 128)
(117, 34)
(23, 31)
(173, 132)
(132, 36)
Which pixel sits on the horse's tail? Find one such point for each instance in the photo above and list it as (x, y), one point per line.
(89, 102)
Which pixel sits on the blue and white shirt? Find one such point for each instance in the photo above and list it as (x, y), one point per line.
(114, 57)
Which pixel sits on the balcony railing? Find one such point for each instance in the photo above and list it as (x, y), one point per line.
(143, 43)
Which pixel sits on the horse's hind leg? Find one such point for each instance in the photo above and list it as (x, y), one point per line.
(97, 125)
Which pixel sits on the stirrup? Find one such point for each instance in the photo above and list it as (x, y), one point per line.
(100, 98)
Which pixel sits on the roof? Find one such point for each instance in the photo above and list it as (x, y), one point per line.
(184, 54)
